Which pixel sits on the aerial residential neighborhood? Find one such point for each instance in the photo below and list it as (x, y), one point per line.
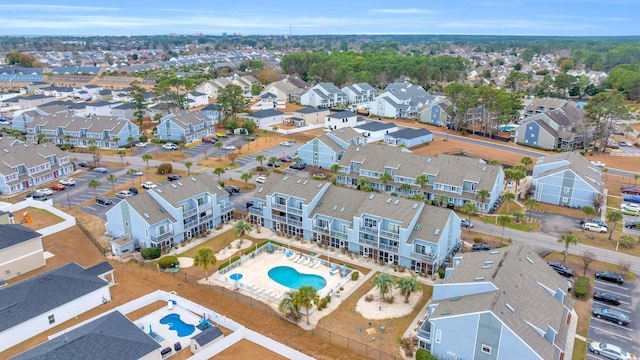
(267, 185)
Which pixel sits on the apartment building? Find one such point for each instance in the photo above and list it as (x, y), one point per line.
(184, 126)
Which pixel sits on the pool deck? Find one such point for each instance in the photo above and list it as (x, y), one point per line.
(170, 336)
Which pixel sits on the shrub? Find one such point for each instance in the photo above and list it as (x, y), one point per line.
(422, 354)
(168, 262)
(581, 288)
(441, 273)
(354, 275)
(151, 253)
(401, 268)
(165, 168)
(390, 299)
(478, 239)
(143, 138)
(368, 298)
(226, 263)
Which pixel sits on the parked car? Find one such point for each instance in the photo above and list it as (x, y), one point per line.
(631, 212)
(632, 198)
(100, 170)
(67, 182)
(209, 140)
(82, 164)
(36, 195)
(610, 351)
(594, 227)
(137, 173)
(595, 221)
(104, 201)
(569, 285)
(148, 185)
(612, 315)
(124, 194)
(480, 247)
(561, 269)
(221, 134)
(57, 187)
(632, 224)
(170, 146)
(635, 207)
(275, 164)
(285, 159)
(228, 189)
(298, 166)
(261, 179)
(233, 188)
(141, 144)
(606, 297)
(45, 192)
(598, 164)
(249, 204)
(466, 223)
(610, 276)
(286, 143)
(173, 177)
(133, 190)
(631, 190)
(228, 147)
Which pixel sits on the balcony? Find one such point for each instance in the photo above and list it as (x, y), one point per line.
(191, 224)
(389, 235)
(369, 230)
(190, 212)
(294, 211)
(368, 242)
(205, 218)
(339, 235)
(255, 211)
(294, 222)
(279, 207)
(277, 218)
(390, 248)
(424, 257)
(230, 207)
(161, 237)
(319, 229)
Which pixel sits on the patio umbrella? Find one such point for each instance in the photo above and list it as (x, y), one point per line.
(150, 330)
(269, 247)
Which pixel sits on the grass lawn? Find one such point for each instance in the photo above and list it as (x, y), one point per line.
(579, 350)
(39, 218)
(602, 241)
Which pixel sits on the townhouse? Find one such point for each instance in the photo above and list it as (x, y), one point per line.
(245, 82)
(374, 131)
(482, 311)
(541, 105)
(264, 119)
(329, 148)
(360, 93)
(323, 95)
(379, 226)
(166, 215)
(286, 90)
(445, 178)
(400, 100)
(109, 132)
(31, 101)
(310, 115)
(24, 166)
(212, 87)
(561, 128)
(435, 113)
(101, 108)
(341, 119)
(184, 126)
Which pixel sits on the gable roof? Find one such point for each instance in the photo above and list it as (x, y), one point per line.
(14, 234)
(409, 133)
(175, 192)
(376, 126)
(265, 113)
(342, 114)
(306, 189)
(150, 209)
(345, 134)
(207, 335)
(309, 110)
(575, 162)
(111, 336)
(35, 296)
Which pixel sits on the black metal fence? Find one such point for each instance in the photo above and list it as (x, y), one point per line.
(103, 250)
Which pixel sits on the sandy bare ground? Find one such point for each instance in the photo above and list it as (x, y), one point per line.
(379, 308)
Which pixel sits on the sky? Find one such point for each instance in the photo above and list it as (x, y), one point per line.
(326, 17)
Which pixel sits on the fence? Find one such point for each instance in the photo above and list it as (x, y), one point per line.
(102, 249)
(68, 220)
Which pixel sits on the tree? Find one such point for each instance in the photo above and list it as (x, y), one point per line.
(218, 145)
(203, 258)
(146, 158)
(122, 154)
(419, 197)
(256, 89)
(405, 188)
(94, 184)
(627, 241)
(93, 149)
(635, 178)
(287, 307)
(385, 177)
(306, 297)
(112, 178)
(363, 184)
(588, 211)
(241, 228)
(518, 216)
(531, 204)
(273, 160)
(231, 100)
(219, 171)
(260, 158)
(587, 258)
(422, 180)
(384, 283)
(526, 161)
(441, 199)
(612, 218)
(482, 195)
(181, 147)
(267, 76)
(463, 98)
(248, 140)
(601, 110)
(335, 168)
(469, 208)
(246, 177)
(408, 285)
(568, 240)
(508, 197)
(137, 98)
(188, 164)
(503, 220)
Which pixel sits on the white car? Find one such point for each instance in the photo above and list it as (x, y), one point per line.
(45, 192)
(286, 143)
(610, 351)
(124, 194)
(141, 144)
(136, 173)
(633, 207)
(170, 146)
(598, 164)
(228, 147)
(261, 179)
(148, 185)
(67, 182)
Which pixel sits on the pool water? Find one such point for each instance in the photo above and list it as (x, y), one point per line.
(175, 323)
(291, 278)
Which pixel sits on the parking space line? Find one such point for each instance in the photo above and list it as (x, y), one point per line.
(611, 284)
(612, 292)
(611, 323)
(89, 207)
(612, 333)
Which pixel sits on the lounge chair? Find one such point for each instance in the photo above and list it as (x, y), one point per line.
(318, 263)
(292, 255)
(259, 290)
(294, 258)
(301, 259)
(311, 263)
(306, 262)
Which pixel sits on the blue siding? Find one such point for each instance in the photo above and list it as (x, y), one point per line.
(316, 153)
(511, 344)
(458, 336)
(566, 189)
(531, 134)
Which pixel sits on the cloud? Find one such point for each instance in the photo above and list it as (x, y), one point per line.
(403, 11)
(55, 8)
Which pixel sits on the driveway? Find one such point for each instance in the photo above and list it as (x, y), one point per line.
(556, 224)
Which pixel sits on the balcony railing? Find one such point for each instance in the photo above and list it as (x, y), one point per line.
(389, 235)
(368, 242)
(205, 218)
(187, 213)
(281, 219)
(279, 207)
(191, 224)
(295, 211)
(161, 237)
(255, 211)
(294, 222)
(319, 229)
(423, 257)
(339, 235)
(369, 230)
(227, 208)
(390, 248)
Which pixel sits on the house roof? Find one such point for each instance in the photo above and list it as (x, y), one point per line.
(37, 295)
(175, 192)
(145, 205)
(111, 336)
(575, 162)
(266, 113)
(185, 118)
(14, 234)
(207, 335)
(268, 95)
(566, 116)
(410, 133)
(309, 110)
(126, 106)
(210, 107)
(99, 104)
(305, 189)
(431, 220)
(545, 103)
(345, 134)
(510, 271)
(376, 126)
(29, 155)
(325, 139)
(342, 114)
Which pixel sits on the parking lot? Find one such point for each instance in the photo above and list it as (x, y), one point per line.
(626, 337)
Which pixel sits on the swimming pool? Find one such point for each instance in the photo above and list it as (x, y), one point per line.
(175, 323)
(507, 127)
(291, 278)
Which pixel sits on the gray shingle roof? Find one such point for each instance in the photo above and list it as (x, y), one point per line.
(410, 133)
(145, 204)
(265, 113)
(13, 234)
(175, 192)
(41, 293)
(207, 335)
(345, 134)
(342, 114)
(306, 189)
(308, 110)
(112, 336)
(575, 162)
(376, 126)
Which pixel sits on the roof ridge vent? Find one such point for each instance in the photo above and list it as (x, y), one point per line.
(478, 278)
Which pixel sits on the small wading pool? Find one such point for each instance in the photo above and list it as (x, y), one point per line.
(291, 278)
(175, 323)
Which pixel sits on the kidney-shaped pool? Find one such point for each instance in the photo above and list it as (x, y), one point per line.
(291, 278)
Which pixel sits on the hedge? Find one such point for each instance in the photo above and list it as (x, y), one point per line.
(422, 354)
(581, 288)
(151, 253)
(169, 261)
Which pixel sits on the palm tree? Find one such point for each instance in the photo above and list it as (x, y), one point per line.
(613, 217)
(469, 208)
(441, 199)
(296, 160)
(531, 204)
(517, 176)
(385, 177)
(407, 285)
(335, 168)
(122, 154)
(246, 177)
(275, 130)
(218, 145)
(306, 297)
(526, 161)
(363, 183)
(132, 173)
(419, 197)
(422, 180)
(482, 195)
(146, 158)
(188, 164)
(260, 158)
(508, 197)
(112, 178)
(503, 220)
(94, 184)
(116, 140)
(39, 137)
(384, 283)
(130, 140)
(204, 257)
(518, 216)
(273, 160)
(241, 228)
(248, 139)
(287, 306)
(495, 163)
(588, 211)
(508, 176)
(605, 171)
(405, 189)
(219, 171)
(568, 240)
(181, 147)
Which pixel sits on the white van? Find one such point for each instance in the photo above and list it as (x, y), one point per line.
(594, 227)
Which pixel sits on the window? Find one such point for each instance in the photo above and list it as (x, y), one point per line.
(566, 189)
(52, 319)
(486, 349)
(565, 199)
(438, 336)
(126, 224)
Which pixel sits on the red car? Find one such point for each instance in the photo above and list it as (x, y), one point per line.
(209, 140)
(631, 190)
(284, 159)
(57, 187)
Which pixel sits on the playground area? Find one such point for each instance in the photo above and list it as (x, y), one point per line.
(36, 219)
